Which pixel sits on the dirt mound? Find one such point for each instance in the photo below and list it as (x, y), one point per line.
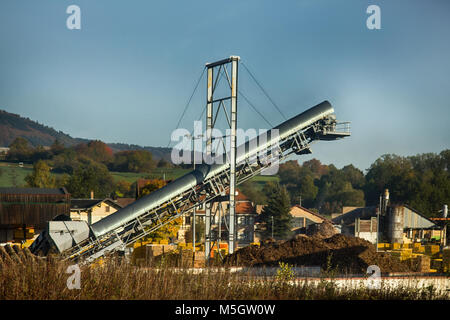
(321, 230)
(339, 252)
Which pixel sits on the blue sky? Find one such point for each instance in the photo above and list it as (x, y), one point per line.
(128, 73)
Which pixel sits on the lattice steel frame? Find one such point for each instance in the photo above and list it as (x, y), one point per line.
(298, 143)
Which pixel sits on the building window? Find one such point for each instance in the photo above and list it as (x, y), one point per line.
(107, 208)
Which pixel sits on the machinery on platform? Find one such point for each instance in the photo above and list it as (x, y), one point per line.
(78, 241)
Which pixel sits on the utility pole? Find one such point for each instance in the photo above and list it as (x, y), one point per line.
(194, 210)
(272, 226)
(378, 222)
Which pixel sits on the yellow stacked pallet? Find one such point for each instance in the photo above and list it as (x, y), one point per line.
(406, 254)
(419, 248)
(446, 260)
(18, 233)
(164, 241)
(406, 245)
(436, 264)
(138, 244)
(432, 250)
(396, 246)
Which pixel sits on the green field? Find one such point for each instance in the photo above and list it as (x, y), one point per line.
(13, 175)
(260, 181)
(12, 171)
(158, 173)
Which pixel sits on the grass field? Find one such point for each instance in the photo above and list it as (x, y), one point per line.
(13, 175)
(12, 172)
(260, 181)
(26, 277)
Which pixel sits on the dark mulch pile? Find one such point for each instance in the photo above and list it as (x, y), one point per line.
(338, 252)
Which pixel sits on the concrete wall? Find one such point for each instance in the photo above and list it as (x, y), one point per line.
(369, 236)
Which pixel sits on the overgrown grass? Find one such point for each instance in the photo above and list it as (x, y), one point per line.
(47, 279)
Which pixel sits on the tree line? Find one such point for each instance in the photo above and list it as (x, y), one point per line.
(420, 181)
(84, 167)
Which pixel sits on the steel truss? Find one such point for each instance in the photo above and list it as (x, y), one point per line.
(118, 239)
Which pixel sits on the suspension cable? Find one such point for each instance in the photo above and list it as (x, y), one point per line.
(254, 108)
(263, 90)
(189, 101)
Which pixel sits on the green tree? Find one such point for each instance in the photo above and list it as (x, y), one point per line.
(19, 150)
(57, 147)
(39, 153)
(316, 167)
(152, 185)
(421, 181)
(249, 189)
(354, 176)
(336, 189)
(96, 150)
(393, 172)
(300, 180)
(278, 208)
(90, 176)
(66, 161)
(41, 176)
(307, 190)
(133, 161)
(123, 189)
(162, 163)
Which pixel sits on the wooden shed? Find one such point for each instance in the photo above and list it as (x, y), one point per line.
(30, 208)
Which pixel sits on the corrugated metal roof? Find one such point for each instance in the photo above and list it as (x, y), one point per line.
(11, 190)
(411, 219)
(362, 213)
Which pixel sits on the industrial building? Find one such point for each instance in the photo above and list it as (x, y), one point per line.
(389, 223)
(26, 211)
